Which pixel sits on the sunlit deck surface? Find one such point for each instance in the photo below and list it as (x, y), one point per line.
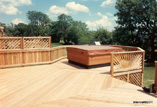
(66, 85)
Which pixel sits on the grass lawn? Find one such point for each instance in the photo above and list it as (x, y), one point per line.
(149, 73)
(55, 44)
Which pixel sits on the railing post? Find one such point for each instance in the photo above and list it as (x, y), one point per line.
(143, 57)
(111, 69)
(22, 43)
(22, 52)
(155, 79)
(50, 56)
(49, 42)
(64, 51)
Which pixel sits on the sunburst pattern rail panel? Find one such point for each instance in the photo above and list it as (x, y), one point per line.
(128, 66)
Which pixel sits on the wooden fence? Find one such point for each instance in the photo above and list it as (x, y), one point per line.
(128, 65)
(9, 58)
(21, 51)
(25, 42)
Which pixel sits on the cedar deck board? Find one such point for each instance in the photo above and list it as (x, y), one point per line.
(63, 84)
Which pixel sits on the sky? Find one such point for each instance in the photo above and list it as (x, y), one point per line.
(95, 13)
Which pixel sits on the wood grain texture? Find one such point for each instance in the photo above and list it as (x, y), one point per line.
(25, 42)
(10, 58)
(91, 55)
(66, 85)
(128, 66)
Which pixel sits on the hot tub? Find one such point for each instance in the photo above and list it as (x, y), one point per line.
(91, 55)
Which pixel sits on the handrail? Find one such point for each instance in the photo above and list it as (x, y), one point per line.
(128, 65)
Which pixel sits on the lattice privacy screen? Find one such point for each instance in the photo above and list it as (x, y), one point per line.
(24, 42)
(133, 78)
(36, 43)
(7, 43)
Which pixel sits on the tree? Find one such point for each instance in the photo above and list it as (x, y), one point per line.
(70, 31)
(137, 24)
(76, 31)
(9, 29)
(86, 38)
(103, 35)
(55, 32)
(64, 22)
(38, 22)
(20, 30)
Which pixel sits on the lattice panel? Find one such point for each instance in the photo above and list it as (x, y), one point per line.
(127, 61)
(36, 43)
(12, 43)
(136, 78)
(122, 77)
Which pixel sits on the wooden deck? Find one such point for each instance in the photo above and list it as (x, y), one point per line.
(66, 85)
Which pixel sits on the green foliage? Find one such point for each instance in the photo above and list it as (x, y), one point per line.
(104, 36)
(64, 22)
(136, 24)
(20, 30)
(38, 23)
(38, 18)
(65, 29)
(54, 32)
(76, 31)
(9, 29)
(70, 31)
(87, 38)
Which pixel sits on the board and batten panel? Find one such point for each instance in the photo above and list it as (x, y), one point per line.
(9, 58)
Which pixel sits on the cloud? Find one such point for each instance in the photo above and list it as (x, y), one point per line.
(107, 2)
(10, 6)
(109, 14)
(70, 8)
(103, 22)
(77, 7)
(11, 10)
(56, 10)
(17, 21)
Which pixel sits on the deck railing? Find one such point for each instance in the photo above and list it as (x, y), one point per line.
(21, 51)
(25, 42)
(22, 57)
(128, 65)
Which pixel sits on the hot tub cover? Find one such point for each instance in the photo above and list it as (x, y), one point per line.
(95, 50)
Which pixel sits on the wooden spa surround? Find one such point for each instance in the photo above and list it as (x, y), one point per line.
(91, 55)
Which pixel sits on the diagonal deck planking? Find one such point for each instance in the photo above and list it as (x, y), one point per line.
(62, 84)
